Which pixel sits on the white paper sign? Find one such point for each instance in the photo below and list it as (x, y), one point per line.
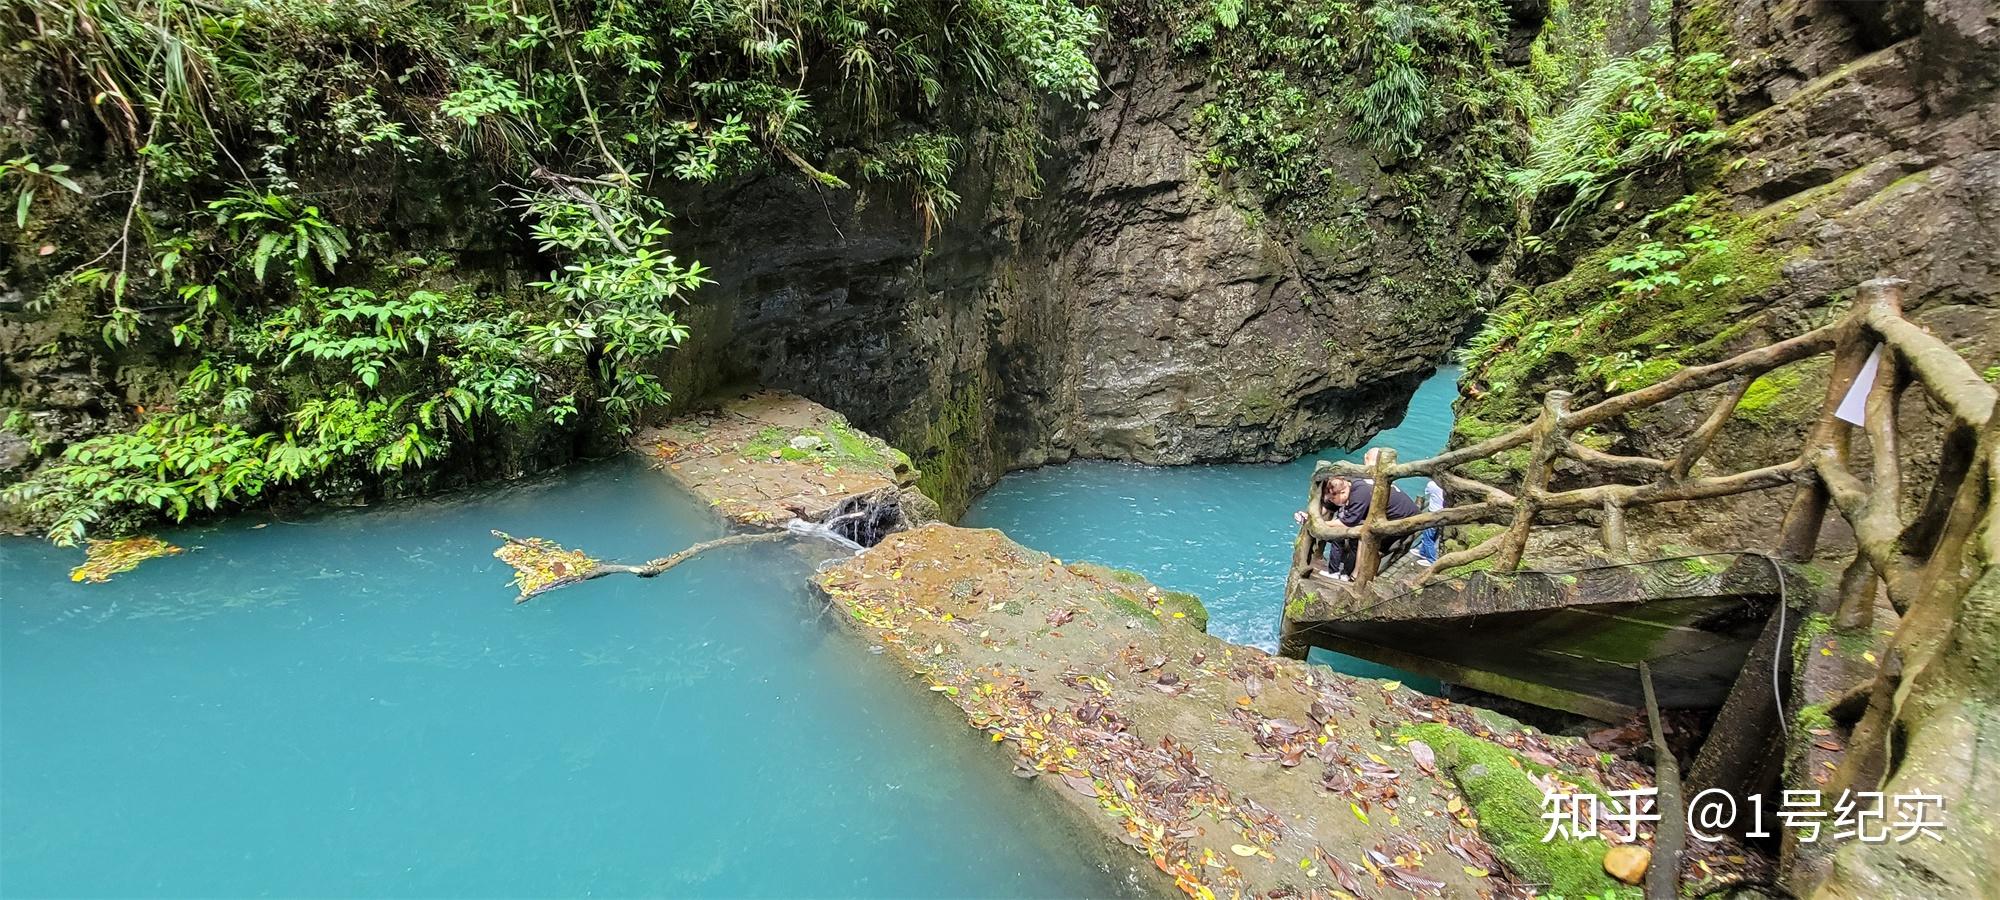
(1854, 407)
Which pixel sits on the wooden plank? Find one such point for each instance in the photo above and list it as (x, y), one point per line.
(1713, 576)
(1490, 682)
(1551, 652)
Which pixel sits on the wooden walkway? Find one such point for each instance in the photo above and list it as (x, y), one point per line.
(1926, 569)
(1569, 640)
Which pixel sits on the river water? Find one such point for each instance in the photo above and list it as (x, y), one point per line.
(1221, 532)
(353, 706)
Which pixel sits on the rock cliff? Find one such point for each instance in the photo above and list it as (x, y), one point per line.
(1137, 309)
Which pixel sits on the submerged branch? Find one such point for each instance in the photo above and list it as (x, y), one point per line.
(541, 565)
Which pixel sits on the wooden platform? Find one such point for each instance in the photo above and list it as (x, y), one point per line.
(1565, 640)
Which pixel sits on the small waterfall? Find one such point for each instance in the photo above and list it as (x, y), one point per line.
(818, 530)
(857, 522)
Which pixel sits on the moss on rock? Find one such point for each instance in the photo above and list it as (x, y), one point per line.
(1508, 806)
(1785, 398)
(1177, 606)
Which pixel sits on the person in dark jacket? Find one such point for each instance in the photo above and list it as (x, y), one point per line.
(1348, 499)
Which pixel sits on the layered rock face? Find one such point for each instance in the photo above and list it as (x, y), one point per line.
(1134, 310)
(1872, 139)
(1861, 141)
(1872, 135)
(1202, 331)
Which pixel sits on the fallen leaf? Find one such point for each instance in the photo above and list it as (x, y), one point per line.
(1425, 756)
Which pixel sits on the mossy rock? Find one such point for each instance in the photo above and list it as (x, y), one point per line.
(1508, 805)
(1185, 608)
(1785, 398)
(1178, 606)
(1810, 631)
(1813, 717)
(838, 443)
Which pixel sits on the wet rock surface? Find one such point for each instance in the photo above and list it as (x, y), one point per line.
(1229, 769)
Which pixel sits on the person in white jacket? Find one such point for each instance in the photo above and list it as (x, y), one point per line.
(1427, 543)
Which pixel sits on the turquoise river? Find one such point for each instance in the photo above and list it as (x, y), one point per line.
(1222, 532)
(352, 705)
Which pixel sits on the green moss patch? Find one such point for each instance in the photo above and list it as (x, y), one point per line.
(1786, 397)
(1177, 606)
(1508, 805)
(838, 444)
(1813, 718)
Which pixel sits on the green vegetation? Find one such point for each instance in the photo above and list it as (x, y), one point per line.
(1704, 566)
(947, 457)
(1630, 118)
(1815, 627)
(1399, 77)
(1624, 287)
(254, 209)
(1813, 718)
(1508, 805)
(838, 444)
(1666, 293)
(1420, 85)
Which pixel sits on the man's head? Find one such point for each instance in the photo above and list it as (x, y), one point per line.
(1336, 490)
(1368, 459)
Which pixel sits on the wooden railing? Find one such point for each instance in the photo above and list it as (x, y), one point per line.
(1923, 717)
(1897, 549)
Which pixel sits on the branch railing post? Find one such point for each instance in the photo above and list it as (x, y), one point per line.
(1798, 533)
(1549, 439)
(1697, 443)
(1612, 531)
(1368, 552)
(1306, 548)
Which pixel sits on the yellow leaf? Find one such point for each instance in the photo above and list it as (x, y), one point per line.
(1391, 685)
(1243, 850)
(1870, 657)
(1356, 808)
(1476, 872)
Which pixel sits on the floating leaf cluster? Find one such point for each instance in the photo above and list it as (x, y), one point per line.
(107, 558)
(540, 564)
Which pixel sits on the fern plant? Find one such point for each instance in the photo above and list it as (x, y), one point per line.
(279, 227)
